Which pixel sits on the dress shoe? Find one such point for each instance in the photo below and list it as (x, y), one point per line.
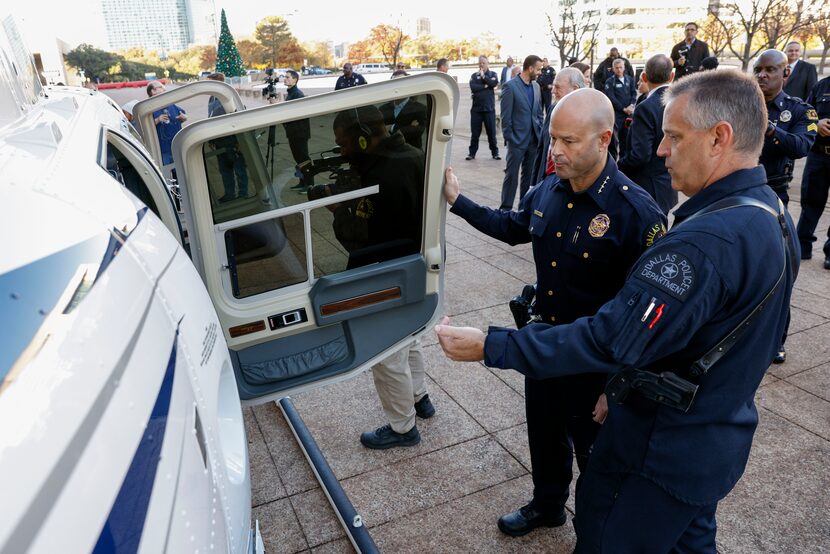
(496, 157)
(384, 437)
(806, 254)
(526, 519)
(781, 357)
(827, 262)
(470, 157)
(424, 408)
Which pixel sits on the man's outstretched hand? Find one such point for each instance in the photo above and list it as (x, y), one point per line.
(460, 344)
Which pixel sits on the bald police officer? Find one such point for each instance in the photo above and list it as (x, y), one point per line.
(791, 126)
(588, 223)
(678, 441)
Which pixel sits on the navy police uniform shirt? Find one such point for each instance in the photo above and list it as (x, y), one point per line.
(583, 243)
(684, 295)
(820, 100)
(795, 126)
(484, 97)
(621, 92)
(353, 80)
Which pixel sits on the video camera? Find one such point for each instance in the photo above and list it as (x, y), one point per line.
(270, 88)
(344, 179)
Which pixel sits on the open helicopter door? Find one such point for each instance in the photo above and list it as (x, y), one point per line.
(317, 226)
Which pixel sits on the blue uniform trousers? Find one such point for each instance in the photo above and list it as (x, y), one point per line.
(517, 158)
(625, 513)
(814, 188)
(489, 120)
(560, 426)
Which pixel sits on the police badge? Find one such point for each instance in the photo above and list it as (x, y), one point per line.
(599, 226)
(785, 116)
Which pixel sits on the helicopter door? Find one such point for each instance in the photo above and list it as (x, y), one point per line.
(317, 227)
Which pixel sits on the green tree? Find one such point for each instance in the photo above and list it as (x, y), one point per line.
(228, 60)
(272, 33)
(93, 62)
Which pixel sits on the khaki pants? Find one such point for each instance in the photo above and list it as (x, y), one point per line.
(399, 380)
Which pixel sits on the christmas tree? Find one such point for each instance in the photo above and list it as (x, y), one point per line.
(228, 60)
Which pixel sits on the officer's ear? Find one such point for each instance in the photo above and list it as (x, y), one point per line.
(722, 138)
(605, 138)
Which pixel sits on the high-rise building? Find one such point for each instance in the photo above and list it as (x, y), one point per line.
(653, 26)
(159, 24)
(423, 26)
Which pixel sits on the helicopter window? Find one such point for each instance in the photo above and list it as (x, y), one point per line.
(122, 170)
(312, 159)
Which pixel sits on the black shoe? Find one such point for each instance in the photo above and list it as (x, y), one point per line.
(827, 262)
(424, 408)
(781, 357)
(384, 437)
(470, 157)
(496, 157)
(526, 519)
(806, 254)
(226, 198)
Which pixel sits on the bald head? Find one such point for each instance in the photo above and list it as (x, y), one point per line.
(581, 126)
(589, 106)
(771, 57)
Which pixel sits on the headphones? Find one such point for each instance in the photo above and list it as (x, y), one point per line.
(364, 133)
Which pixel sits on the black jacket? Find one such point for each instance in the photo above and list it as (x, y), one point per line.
(605, 70)
(694, 54)
(301, 128)
(411, 120)
(802, 80)
(484, 97)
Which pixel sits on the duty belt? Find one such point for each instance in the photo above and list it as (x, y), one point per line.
(669, 388)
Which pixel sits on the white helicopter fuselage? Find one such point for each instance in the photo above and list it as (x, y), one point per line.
(121, 423)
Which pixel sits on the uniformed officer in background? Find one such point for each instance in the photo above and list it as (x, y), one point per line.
(816, 179)
(622, 91)
(662, 462)
(791, 129)
(545, 80)
(483, 85)
(588, 224)
(791, 132)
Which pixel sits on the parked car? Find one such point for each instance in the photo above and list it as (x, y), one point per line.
(314, 70)
(371, 68)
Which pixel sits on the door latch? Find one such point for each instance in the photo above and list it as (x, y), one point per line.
(287, 319)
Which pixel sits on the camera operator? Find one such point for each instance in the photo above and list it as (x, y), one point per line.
(298, 133)
(269, 91)
(688, 54)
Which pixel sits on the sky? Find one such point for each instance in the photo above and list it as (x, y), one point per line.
(77, 21)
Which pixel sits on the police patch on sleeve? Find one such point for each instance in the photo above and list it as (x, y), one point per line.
(655, 233)
(669, 272)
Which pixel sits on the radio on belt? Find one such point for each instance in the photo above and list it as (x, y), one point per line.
(287, 318)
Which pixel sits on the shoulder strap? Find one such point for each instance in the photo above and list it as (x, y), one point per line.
(702, 365)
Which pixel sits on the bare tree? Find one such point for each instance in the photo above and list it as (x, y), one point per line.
(785, 21)
(574, 37)
(716, 35)
(821, 28)
(757, 22)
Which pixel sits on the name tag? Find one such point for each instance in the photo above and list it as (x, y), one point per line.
(538, 213)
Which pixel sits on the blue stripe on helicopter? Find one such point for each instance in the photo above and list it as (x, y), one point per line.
(122, 532)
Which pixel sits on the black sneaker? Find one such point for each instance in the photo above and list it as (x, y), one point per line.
(384, 437)
(781, 357)
(496, 157)
(424, 408)
(470, 157)
(526, 519)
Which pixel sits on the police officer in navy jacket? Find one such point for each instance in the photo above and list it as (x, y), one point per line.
(622, 91)
(657, 472)
(588, 223)
(483, 84)
(815, 182)
(640, 161)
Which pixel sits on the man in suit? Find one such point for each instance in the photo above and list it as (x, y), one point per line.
(622, 92)
(802, 74)
(688, 54)
(640, 163)
(566, 81)
(506, 71)
(521, 125)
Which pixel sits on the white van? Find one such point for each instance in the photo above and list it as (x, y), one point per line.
(371, 68)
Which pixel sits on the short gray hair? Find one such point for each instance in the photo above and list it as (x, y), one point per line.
(618, 61)
(573, 76)
(729, 96)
